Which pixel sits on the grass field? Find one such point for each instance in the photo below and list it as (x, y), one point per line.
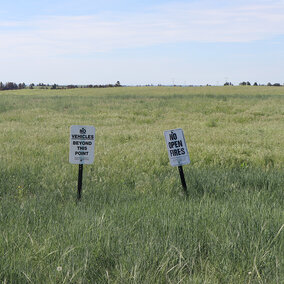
(133, 225)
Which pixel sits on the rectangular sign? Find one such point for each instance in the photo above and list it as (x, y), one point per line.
(82, 144)
(177, 149)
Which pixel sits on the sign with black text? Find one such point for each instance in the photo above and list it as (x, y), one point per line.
(177, 149)
(82, 144)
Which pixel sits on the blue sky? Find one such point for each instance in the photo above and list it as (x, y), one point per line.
(138, 42)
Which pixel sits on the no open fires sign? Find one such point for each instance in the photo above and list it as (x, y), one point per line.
(177, 149)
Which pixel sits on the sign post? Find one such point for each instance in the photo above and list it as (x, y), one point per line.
(82, 145)
(177, 152)
(80, 180)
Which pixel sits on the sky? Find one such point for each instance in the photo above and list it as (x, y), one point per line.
(142, 42)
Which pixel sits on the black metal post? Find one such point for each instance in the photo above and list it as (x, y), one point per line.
(80, 179)
(183, 180)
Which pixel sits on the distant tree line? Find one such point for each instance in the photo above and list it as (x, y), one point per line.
(12, 86)
(247, 83)
(15, 86)
(256, 84)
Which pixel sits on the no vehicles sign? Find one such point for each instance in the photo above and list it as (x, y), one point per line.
(177, 150)
(82, 144)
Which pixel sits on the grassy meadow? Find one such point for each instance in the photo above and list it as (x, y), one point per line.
(133, 224)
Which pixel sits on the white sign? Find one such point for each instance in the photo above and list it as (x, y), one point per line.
(82, 144)
(177, 150)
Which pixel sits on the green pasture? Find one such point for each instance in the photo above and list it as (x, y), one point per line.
(133, 225)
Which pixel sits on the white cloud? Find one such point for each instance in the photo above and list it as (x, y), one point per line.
(177, 22)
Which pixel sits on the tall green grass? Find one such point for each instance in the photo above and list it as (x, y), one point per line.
(133, 224)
